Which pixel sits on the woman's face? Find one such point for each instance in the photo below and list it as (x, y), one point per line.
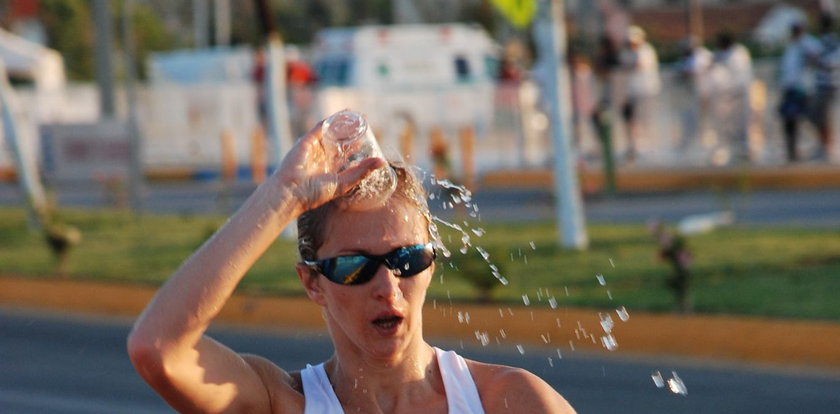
(383, 317)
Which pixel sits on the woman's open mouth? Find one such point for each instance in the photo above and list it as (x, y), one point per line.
(388, 325)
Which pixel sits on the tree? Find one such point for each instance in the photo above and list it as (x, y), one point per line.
(69, 30)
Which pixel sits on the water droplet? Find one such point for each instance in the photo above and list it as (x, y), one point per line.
(550, 362)
(482, 337)
(571, 345)
(526, 300)
(609, 294)
(622, 314)
(478, 232)
(609, 342)
(464, 249)
(545, 339)
(501, 314)
(612, 263)
(483, 253)
(559, 355)
(601, 280)
(606, 322)
(533, 246)
(503, 333)
(521, 349)
(676, 384)
(657, 379)
(552, 302)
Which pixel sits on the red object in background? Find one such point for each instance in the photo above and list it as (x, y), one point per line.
(299, 73)
(24, 9)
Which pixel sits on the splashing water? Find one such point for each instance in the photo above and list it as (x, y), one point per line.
(676, 384)
(656, 376)
(451, 195)
(623, 314)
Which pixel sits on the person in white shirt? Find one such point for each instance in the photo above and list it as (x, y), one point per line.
(732, 76)
(368, 269)
(641, 64)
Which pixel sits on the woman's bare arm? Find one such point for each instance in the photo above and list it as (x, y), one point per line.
(167, 345)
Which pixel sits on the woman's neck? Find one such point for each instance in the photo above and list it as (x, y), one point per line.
(407, 379)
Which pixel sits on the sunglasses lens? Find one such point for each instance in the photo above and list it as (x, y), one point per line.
(409, 261)
(350, 270)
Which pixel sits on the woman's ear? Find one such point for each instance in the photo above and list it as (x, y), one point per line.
(311, 283)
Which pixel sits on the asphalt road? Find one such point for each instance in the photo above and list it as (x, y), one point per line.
(808, 208)
(73, 364)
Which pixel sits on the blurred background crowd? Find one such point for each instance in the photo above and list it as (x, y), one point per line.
(454, 86)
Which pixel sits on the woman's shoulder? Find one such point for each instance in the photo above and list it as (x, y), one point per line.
(503, 388)
(285, 389)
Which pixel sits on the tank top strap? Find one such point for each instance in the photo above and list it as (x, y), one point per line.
(461, 393)
(318, 393)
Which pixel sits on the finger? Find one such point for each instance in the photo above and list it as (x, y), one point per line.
(352, 176)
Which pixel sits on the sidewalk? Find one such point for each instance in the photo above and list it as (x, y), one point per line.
(808, 344)
(652, 179)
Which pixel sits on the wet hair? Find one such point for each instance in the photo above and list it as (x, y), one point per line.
(311, 225)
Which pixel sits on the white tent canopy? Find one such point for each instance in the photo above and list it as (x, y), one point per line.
(22, 57)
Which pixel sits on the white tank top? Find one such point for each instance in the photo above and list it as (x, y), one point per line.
(461, 393)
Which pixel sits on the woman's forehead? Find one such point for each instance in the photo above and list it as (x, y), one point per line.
(373, 231)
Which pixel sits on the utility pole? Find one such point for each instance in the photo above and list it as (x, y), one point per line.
(102, 56)
(201, 23)
(135, 165)
(221, 20)
(550, 34)
(694, 17)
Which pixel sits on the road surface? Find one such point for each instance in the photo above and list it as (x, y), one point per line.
(72, 364)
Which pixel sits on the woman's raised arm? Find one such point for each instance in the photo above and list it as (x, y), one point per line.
(167, 345)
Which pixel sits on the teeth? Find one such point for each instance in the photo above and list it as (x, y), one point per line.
(387, 323)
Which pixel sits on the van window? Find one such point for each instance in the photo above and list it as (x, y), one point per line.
(462, 69)
(333, 72)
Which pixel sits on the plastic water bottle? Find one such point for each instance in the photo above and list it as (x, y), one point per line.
(352, 140)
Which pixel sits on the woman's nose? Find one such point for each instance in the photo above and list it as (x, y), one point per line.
(386, 284)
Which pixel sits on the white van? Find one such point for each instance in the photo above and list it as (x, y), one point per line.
(430, 75)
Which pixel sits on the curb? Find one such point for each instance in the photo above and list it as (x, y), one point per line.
(638, 179)
(780, 342)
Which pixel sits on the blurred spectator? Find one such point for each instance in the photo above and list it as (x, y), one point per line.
(258, 75)
(509, 70)
(299, 80)
(583, 100)
(732, 75)
(643, 84)
(801, 49)
(693, 69)
(826, 82)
